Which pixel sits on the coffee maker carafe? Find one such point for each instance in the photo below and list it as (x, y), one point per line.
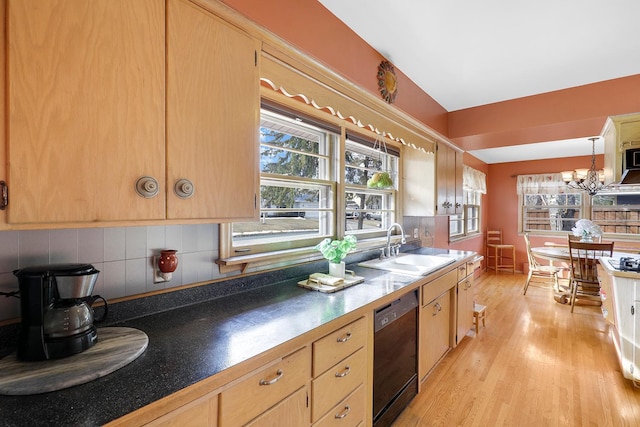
(55, 305)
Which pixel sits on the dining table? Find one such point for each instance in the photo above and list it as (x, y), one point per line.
(558, 256)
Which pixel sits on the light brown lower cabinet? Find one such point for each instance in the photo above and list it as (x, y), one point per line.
(200, 412)
(340, 368)
(292, 411)
(264, 388)
(349, 412)
(435, 323)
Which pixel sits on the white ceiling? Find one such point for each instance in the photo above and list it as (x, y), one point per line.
(466, 53)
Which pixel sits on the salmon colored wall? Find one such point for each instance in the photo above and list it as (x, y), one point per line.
(563, 114)
(310, 27)
(502, 199)
(569, 113)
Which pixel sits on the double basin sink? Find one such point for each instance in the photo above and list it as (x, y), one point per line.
(412, 264)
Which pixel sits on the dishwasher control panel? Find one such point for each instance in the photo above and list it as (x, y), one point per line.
(390, 312)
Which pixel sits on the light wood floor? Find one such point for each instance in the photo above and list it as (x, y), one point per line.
(535, 364)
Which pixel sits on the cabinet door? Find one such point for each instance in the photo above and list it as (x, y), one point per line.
(86, 109)
(435, 323)
(212, 115)
(449, 168)
(199, 413)
(464, 308)
(418, 170)
(292, 411)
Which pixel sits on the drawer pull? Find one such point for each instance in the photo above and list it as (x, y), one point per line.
(345, 338)
(273, 380)
(344, 413)
(344, 373)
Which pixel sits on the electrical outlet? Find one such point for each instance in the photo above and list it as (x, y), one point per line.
(416, 233)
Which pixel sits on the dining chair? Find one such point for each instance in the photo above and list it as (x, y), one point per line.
(538, 272)
(502, 254)
(578, 238)
(584, 273)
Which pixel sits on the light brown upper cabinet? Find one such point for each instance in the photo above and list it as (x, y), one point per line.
(212, 116)
(449, 180)
(92, 110)
(86, 109)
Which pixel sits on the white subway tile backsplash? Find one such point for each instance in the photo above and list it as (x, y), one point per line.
(91, 245)
(136, 242)
(33, 247)
(173, 237)
(156, 240)
(135, 276)
(205, 237)
(189, 238)
(114, 277)
(9, 251)
(189, 264)
(124, 256)
(114, 244)
(63, 246)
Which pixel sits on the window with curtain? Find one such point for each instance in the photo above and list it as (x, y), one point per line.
(474, 185)
(547, 204)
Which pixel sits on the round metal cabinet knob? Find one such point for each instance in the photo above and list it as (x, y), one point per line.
(147, 187)
(183, 188)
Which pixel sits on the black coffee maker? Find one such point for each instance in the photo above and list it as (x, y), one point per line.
(55, 306)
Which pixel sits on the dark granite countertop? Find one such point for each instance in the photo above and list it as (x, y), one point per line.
(193, 342)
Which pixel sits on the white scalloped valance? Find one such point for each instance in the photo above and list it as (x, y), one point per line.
(473, 180)
(544, 183)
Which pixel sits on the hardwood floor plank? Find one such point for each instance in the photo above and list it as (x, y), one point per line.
(534, 364)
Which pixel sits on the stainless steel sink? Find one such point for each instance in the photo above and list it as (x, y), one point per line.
(413, 264)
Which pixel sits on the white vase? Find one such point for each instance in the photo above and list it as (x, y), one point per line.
(336, 269)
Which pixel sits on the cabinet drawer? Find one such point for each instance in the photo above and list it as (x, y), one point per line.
(264, 388)
(332, 386)
(339, 344)
(348, 413)
(437, 287)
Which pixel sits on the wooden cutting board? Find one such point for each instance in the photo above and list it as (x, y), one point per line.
(116, 347)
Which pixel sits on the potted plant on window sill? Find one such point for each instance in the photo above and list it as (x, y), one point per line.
(335, 251)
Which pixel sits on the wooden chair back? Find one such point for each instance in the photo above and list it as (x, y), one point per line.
(533, 262)
(584, 260)
(494, 237)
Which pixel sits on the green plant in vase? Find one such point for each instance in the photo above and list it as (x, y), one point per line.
(335, 251)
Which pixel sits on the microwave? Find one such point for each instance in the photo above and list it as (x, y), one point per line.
(632, 158)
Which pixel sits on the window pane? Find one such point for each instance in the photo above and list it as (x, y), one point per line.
(290, 149)
(366, 211)
(296, 191)
(370, 177)
(617, 213)
(551, 212)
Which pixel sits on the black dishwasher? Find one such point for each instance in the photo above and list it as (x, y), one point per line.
(395, 363)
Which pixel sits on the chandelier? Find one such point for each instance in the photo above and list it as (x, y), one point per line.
(589, 180)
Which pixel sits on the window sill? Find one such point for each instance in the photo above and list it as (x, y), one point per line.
(243, 263)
